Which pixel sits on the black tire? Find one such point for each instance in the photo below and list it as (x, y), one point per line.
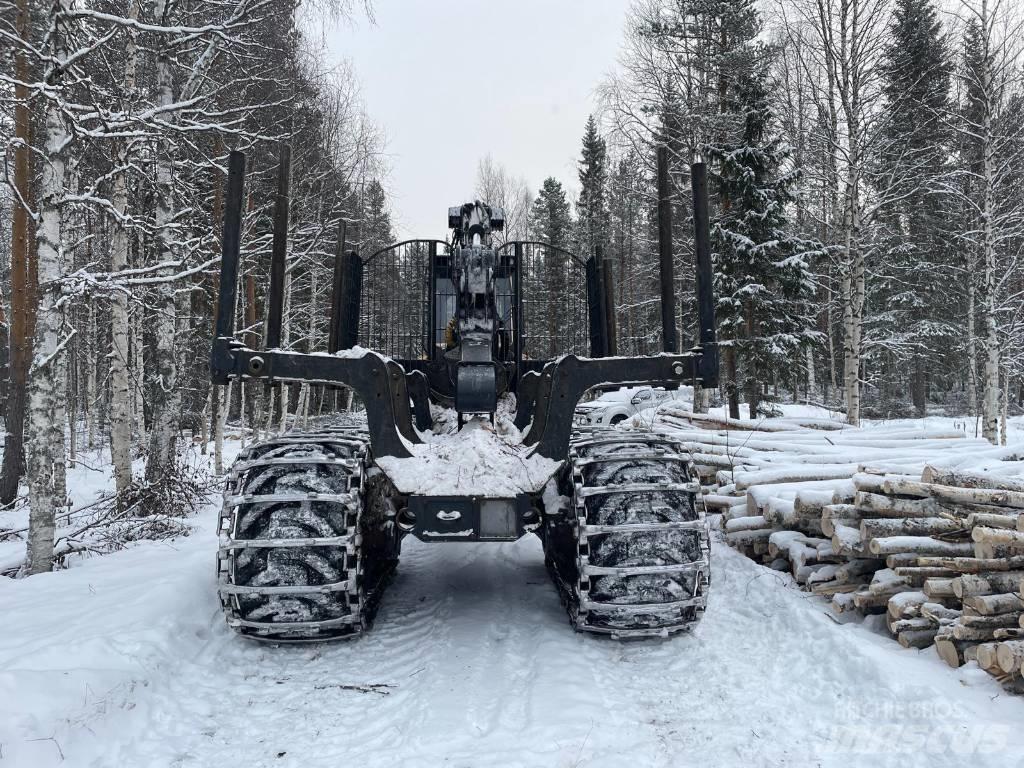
(649, 516)
(339, 568)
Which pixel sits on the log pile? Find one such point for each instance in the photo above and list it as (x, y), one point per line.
(863, 519)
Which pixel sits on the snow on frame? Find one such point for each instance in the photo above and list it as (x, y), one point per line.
(478, 460)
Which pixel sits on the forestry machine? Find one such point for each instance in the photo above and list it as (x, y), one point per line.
(469, 358)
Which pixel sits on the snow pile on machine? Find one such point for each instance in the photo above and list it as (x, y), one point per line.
(924, 526)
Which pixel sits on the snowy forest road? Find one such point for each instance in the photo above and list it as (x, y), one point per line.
(126, 661)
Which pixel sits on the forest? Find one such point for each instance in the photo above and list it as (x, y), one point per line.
(866, 163)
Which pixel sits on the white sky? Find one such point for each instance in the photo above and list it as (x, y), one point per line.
(450, 82)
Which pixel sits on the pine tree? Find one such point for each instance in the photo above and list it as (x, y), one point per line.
(763, 274)
(591, 208)
(553, 224)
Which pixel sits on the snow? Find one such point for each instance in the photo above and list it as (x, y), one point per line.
(475, 461)
(126, 661)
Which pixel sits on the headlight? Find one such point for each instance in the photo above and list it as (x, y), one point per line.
(600, 419)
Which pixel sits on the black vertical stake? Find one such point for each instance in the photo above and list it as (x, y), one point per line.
(337, 288)
(668, 289)
(595, 307)
(705, 276)
(430, 332)
(517, 336)
(348, 328)
(611, 346)
(230, 244)
(279, 250)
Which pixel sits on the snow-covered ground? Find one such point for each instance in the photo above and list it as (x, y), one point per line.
(124, 660)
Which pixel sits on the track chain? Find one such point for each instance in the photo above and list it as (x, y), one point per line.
(631, 556)
(301, 557)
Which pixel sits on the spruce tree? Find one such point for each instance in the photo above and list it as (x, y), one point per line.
(376, 231)
(591, 208)
(763, 276)
(553, 224)
(634, 260)
(914, 285)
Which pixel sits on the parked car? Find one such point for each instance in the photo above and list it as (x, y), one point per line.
(614, 407)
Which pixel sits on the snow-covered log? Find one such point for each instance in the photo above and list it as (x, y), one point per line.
(750, 523)
(1010, 656)
(748, 538)
(996, 621)
(845, 514)
(968, 479)
(989, 583)
(905, 604)
(881, 505)
(846, 539)
(919, 545)
(940, 612)
(985, 655)
(953, 494)
(794, 474)
(998, 537)
(718, 502)
(973, 564)
(990, 605)
(950, 649)
(1009, 522)
(905, 526)
(918, 638)
(939, 589)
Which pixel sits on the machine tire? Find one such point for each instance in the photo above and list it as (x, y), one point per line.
(307, 489)
(631, 555)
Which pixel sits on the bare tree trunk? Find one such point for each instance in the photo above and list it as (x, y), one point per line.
(91, 406)
(120, 384)
(166, 393)
(138, 376)
(853, 288)
(751, 373)
(218, 393)
(23, 272)
(990, 398)
(731, 384)
(1004, 408)
(972, 348)
(44, 454)
(811, 385)
(701, 399)
(204, 422)
(251, 341)
(285, 396)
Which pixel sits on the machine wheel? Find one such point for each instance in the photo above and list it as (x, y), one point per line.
(631, 555)
(306, 542)
(617, 420)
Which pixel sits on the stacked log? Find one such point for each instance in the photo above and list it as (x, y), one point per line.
(939, 551)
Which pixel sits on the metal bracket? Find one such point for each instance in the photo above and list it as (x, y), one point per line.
(564, 381)
(371, 376)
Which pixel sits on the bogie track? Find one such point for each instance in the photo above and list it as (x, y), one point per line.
(306, 539)
(630, 556)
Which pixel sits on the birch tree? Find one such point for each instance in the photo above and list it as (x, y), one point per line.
(991, 82)
(45, 455)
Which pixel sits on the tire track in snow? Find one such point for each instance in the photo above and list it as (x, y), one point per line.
(487, 672)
